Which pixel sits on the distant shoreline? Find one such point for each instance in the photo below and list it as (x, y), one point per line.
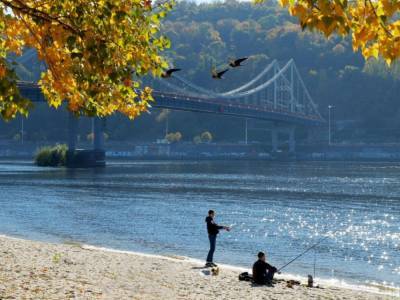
(224, 151)
(200, 158)
(47, 270)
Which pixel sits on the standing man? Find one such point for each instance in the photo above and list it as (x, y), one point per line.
(213, 230)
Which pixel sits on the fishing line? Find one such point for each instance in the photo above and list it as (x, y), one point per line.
(304, 252)
(315, 261)
(309, 248)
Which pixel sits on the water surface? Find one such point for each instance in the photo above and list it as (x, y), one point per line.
(159, 207)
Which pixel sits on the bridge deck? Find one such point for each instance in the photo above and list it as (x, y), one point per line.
(204, 105)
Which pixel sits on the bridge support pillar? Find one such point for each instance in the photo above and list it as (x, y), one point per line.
(72, 131)
(80, 158)
(98, 134)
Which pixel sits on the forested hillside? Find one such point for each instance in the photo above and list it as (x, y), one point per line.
(365, 95)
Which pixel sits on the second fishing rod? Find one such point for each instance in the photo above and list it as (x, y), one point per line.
(308, 249)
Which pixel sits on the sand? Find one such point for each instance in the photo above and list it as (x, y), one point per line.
(37, 270)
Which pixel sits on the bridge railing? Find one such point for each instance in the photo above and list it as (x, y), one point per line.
(267, 108)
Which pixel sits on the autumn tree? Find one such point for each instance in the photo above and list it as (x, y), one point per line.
(95, 52)
(206, 137)
(173, 137)
(374, 25)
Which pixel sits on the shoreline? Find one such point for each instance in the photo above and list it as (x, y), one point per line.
(362, 160)
(375, 288)
(59, 271)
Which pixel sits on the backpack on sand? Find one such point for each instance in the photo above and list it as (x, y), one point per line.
(245, 276)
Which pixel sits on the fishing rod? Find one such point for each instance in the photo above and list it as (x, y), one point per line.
(304, 252)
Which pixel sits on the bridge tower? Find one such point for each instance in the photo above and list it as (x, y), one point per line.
(276, 95)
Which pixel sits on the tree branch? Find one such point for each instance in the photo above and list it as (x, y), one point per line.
(22, 8)
(379, 19)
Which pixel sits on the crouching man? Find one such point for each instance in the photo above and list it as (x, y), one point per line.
(263, 273)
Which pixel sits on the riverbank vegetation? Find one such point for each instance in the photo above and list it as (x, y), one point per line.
(173, 137)
(51, 156)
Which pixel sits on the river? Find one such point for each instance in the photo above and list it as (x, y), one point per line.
(159, 207)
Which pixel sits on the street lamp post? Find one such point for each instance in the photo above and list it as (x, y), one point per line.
(166, 125)
(329, 124)
(22, 130)
(245, 133)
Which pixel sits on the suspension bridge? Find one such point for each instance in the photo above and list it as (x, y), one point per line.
(277, 94)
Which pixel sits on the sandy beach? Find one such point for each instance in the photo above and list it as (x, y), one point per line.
(37, 270)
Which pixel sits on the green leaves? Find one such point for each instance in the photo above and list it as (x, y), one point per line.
(11, 102)
(71, 40)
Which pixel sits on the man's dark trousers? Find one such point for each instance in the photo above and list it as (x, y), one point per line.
(267, 279)
(213, 240)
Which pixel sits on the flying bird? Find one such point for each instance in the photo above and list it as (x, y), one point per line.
(237, 62)
(168, 73)
(218, 75)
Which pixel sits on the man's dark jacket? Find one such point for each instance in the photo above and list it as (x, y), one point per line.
(212, 228)
(260, 269)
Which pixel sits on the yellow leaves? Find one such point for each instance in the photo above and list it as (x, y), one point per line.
(373, 24)
(327, 17)
(91, 50)
(360, 38)
(10, 112)
(395, 28)
(147, 93)
(372, 51)
(284, 3)
(339, 9)
(388, 61)
(387, 8)
(299, 11)
(47, 82)
(324, 7)
(326, 25)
